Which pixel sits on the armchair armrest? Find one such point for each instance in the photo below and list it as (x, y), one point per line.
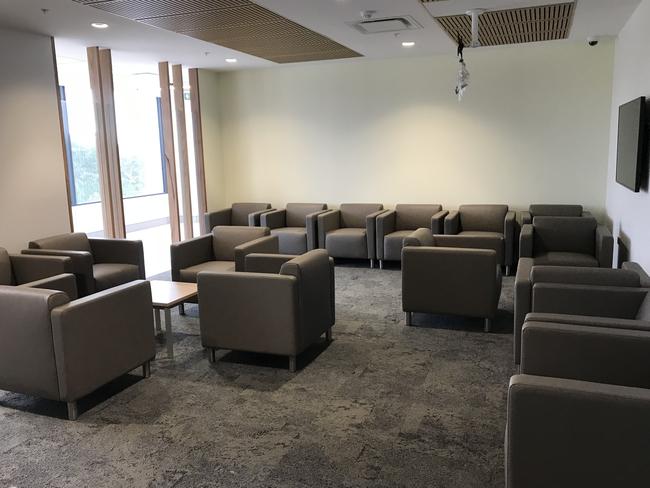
(327, 222)
(266, 263)
(526, 241)
(385, 225)
(604, 246)
(438, 222)
(220, 217)
(509, 231)
(263, 245)
(274, 219)
(371, 230)
(311, 225)
(419, 237)
(101, 337)
(122, 251)
(66, 283)
(452, 223)
(81, 266)
(31, 268)
(526, 218)
(597, 301)
(566, 433)
(523, 300)
(254, 218)
(190, 253)
(644, 279)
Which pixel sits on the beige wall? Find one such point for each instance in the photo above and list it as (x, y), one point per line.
(533, 128)
(629, 211)
(33, 198)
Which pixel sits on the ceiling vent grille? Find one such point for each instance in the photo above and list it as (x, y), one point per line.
(513, 26)
(388, 24)
(237, 24)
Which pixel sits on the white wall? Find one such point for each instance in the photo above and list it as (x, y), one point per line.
(533, 127)
(33, 198)
(630, 211)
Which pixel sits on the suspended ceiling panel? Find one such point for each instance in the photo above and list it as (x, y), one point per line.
(237, 24)
(513, 26)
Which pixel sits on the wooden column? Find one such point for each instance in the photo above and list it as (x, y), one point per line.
(195, 98)
(183, 157)
(168, 144)
(108, 156)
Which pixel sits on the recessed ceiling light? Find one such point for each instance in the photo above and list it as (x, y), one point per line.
(231, 60)
(408, 44)
(99, 25)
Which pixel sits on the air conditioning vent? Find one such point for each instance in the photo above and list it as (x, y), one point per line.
(388, 24)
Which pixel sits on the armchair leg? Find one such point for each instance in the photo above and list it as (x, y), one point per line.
(181, 309)
(381, 264)
(72, 411)
(372, 263)
(328, 334)
(488, 325)
(146, 369)
(507, 270)
(409, 318)
(292, 364)
(213, 355)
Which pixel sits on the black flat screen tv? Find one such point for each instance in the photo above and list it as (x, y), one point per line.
(631, 151)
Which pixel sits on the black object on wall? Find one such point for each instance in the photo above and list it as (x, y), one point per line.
(632, 146)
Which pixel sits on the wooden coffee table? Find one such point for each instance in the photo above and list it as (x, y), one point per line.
(165, 295)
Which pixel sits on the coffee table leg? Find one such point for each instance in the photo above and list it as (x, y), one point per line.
(168, 333)
(156, 316)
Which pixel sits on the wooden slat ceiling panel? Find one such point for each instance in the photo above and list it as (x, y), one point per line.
(514, 26)
(237, 24)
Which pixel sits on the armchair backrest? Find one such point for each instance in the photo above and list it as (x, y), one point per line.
(567, 234)
(544, 210)
(226, 238)
(353, 215)
(6, 273)
(297, 212)
(27, 362)
(312, 273)
(75, 241)
(240, 211)
(414, 216)
(483, 218)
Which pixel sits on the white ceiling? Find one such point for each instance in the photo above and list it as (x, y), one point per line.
(130, 41)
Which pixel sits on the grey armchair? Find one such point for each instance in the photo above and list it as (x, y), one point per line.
(577, 416)
(295, 226)
(483, 227)
(63, 350)
(394, 225)
(552, 210)
(350, 232)
(265, 312)
(47, 272)
(241, 214)
(99, 264)
(567, 241)
(530, 276)
(449, 281)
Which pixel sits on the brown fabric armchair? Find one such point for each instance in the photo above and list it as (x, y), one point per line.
(394, 225)
(483, 227)
(265, 312)
(63, 350)
(530, 276)
(99, 264)
(350, 231)
(577, 416)
(240, 214)
(449, 281)
(47, 272)
(552, 210)
(295, 226)
(567, 241)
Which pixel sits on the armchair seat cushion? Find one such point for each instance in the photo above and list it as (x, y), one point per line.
(393, 244)
(566, 259)
(108, 275)
(347, 243)
(189, 274)
(292, 240)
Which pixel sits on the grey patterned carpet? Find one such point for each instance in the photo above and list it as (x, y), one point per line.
(382, 405)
